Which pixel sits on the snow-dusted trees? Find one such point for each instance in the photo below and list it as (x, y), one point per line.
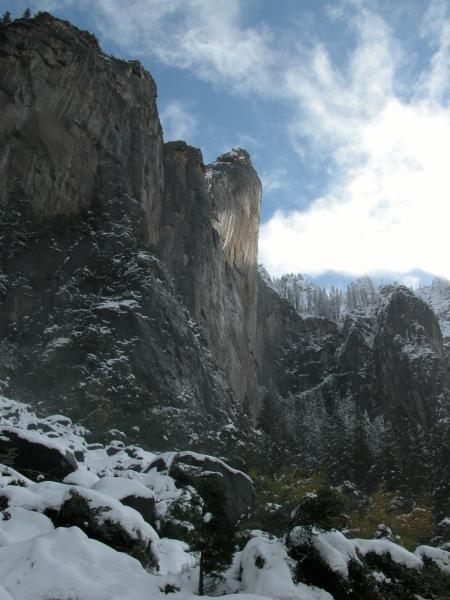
(312, 300)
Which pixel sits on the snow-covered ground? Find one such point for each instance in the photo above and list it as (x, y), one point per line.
(39, 560)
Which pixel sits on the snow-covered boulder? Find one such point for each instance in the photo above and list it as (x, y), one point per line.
(334, 549)
(384, 547)
(36, 455)
(100, 516)
(82, 477)
(108, 520)
(265, 571)
(130, 493)
(186, 467)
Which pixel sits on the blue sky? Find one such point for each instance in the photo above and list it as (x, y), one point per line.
(343, 105)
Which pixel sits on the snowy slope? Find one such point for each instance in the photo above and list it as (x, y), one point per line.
(41, 560)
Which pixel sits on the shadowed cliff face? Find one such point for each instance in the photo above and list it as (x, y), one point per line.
(410, 361)
(90, 321)
(74, 122)
(209, 241)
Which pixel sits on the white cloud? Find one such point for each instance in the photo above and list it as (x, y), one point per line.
(436, 27)
(202, 36)
(389, 210)
(179, 121)
(412, 281)
(274, 180)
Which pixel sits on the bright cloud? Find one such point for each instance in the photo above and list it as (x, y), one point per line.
(179, 121)
(274, 180)
(389, 209)
(205, 37)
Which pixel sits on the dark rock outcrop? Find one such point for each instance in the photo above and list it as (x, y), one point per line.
(389, 359)
(409, 357)
(144, 506)
(75, 122)
(35, 455)
(367, 399)
(96, 522)
(188, 468)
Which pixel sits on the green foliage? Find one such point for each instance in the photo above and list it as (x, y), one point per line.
(323, 509)
(289, 498)
(311, 569)
(26, 14)
(410, 528)
(277, 495)
(403, 583)
(278, 440)
(184, 518)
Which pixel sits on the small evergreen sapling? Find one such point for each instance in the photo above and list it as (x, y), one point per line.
(6, 18)
(216, 529)
(323, 510)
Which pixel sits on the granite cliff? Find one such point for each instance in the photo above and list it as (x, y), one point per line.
(128, 267)
(90, 318)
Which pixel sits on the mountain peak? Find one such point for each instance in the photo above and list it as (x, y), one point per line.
(236, 155)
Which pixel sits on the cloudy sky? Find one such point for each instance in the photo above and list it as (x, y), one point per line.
(343, 105)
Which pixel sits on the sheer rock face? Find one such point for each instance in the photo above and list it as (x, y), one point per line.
(409, 356)
(74, 121)
(90, 321)
(209, 240)
(277, 323)
(390, 361)
(235, 192)
(393, 360)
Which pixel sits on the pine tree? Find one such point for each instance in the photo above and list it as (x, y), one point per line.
(6, 18)
(337, 446)
(390, 458)
(26, 14)
(323, 509)
(440, 458)
(362, 456)
(216, 531)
